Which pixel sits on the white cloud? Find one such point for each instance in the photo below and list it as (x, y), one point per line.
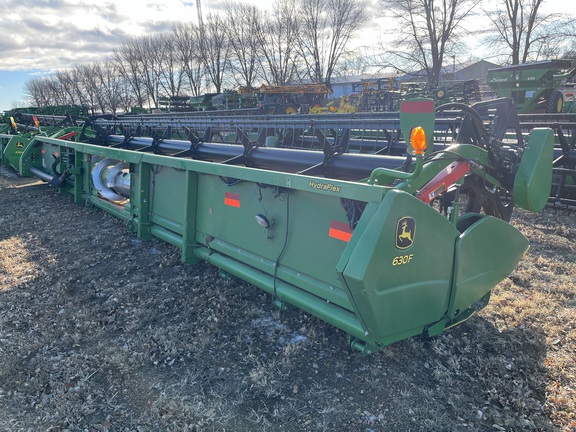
(47, 34)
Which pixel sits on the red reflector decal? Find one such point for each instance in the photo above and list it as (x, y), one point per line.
(340, 231)
(68, 135)
(426, 106)
(232, 199)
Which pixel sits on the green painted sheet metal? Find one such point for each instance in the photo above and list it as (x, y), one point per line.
(534, 176)
(292, 294)
(298, 241)
(14, 149)
(397, 268)
(4, 140)
(487, 251)
(372, 260)
(23, 151)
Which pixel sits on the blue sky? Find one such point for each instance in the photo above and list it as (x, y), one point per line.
(11, 86)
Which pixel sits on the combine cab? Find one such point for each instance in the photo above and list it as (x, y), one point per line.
(384, 245)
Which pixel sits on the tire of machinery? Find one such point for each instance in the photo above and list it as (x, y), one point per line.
(555, 102)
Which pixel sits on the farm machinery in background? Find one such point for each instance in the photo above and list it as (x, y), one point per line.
(535, 87)
(292, 99)
(21, 130)
(287, 99)
(78, 111)
(379, 95)
(544, 97)
(385, 94)
(460, 91)
(376, 95)
(386, 225)
(228, 100)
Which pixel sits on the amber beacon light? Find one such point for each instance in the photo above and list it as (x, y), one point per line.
(418, 140)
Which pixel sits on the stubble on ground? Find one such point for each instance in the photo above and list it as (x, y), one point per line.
(100, 331)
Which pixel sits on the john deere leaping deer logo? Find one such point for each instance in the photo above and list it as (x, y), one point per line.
(405, 232)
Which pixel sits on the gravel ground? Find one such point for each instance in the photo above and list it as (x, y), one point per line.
(100, 331)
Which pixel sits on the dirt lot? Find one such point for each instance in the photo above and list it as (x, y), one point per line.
(100, 331)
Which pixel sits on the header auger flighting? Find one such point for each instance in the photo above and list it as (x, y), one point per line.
(340, 216)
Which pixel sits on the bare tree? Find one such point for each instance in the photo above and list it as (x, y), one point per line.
(139, 61)
(241, 20)
(88, 82)
(66, 83)
(524, 33)
(558, 39)
(170, 70)
(424, 33)
(37, 90)
(215, 49)
(77, 89)
(150, 50)
(98, 85)
(130, 66)
(187, 44)
(276, 34)
(357, 63)
(326, 28)
(56, 91)
(570, 51)
(127, 100)
(110, 86)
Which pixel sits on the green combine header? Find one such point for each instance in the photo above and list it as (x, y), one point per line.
(406, 238)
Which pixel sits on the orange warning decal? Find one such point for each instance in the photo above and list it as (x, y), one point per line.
(232, 199)
(340, 231)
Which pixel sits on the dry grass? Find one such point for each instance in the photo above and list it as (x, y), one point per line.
(100, 331)
(15, 263)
